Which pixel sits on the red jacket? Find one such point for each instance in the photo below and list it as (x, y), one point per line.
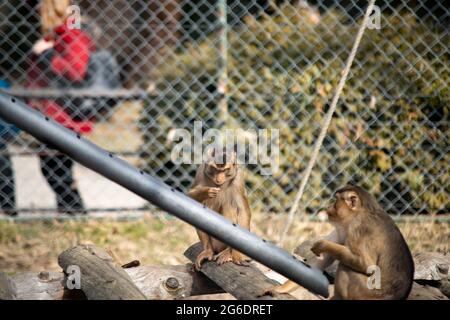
(70, 59)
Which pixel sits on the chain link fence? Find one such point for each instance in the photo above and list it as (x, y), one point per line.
(246, 65)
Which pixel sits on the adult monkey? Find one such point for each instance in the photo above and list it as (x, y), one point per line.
(219, 184)
(366, 240)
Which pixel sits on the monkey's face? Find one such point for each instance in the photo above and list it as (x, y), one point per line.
(221, 167)
(221, 173)
(345, 207)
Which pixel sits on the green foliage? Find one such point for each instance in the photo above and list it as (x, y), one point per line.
(390, 130)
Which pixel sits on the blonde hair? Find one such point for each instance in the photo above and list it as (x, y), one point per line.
(53, 13)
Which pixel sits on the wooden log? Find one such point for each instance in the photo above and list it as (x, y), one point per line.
(171, 282)
(242, 282)
(425, 292)
(37, 286)
(432, 266)
(155, 282)
(101, 278)
(444, 286)
(6, 287)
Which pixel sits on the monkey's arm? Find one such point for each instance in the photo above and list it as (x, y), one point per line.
(199, 193)
(341, 253)
(326, 260)
(243, 214)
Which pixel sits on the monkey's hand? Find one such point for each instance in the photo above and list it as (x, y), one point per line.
(319, 247)
(206, 254)
(213, 192)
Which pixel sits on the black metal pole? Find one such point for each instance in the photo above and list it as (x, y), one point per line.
(89, 155)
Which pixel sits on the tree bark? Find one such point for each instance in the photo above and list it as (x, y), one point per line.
(101, 278)
(242, 282)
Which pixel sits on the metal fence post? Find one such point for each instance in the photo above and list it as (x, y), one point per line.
(222, 87)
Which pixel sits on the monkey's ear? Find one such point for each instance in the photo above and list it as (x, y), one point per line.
(352, 200)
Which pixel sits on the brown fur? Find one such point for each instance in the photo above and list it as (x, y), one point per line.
(221, 187)
(365, 235)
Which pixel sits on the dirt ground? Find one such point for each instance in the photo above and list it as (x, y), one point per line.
(35, 246)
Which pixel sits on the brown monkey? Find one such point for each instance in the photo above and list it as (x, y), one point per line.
(366, 240)
(219, 184)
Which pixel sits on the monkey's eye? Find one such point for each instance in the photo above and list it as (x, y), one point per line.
(211, 170)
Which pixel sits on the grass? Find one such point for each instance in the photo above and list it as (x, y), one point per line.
(35, 246)
(123, 121)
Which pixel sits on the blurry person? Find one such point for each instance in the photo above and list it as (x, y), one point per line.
(60, 59)
(7, 187)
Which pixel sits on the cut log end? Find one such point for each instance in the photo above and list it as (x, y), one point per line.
(99, 276)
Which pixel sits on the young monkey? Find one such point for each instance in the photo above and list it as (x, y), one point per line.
(366, 240)
(219, 184)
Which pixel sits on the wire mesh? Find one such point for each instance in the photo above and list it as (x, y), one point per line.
(263, 64)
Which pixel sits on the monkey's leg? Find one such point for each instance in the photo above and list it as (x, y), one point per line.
(240, 216)
(239, 258)
(336, 297)
(286, 287)
(224, 256)
(322, 263)
(231, 255)
(207, 253)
